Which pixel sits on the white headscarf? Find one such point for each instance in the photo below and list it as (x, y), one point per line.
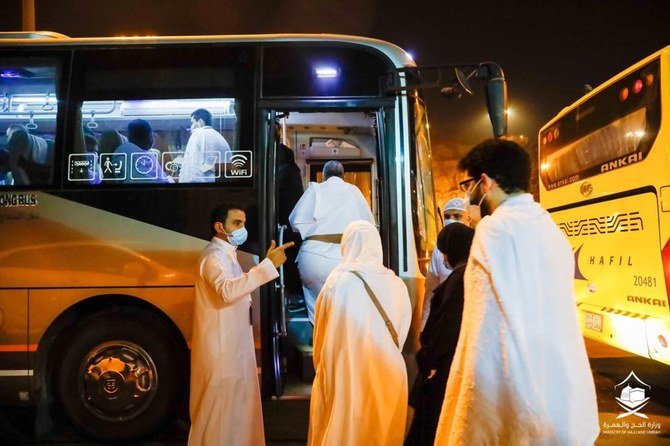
(361, 248)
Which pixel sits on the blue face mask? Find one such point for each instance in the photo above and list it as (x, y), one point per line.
(238, 236)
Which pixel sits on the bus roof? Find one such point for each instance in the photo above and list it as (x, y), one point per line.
(604, 85)
(397, 55)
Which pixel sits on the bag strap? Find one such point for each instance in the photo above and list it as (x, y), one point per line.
(387, 321)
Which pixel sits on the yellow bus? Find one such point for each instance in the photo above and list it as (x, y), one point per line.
(605, 177)
(100, 232)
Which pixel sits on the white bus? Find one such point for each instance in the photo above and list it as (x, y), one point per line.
(99, 242)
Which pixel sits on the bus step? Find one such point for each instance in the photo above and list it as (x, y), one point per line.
(305, 363)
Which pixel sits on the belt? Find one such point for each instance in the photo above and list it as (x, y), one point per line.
(326, 238)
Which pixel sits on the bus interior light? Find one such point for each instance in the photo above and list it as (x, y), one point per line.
(15, 73)
(326, 72)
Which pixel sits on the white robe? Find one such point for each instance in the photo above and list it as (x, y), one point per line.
(204, 146)
(225, 403)
(324, 208)
(520, 373)
(359, 395)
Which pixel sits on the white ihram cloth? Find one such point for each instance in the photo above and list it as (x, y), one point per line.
(225, 403)
(204, 146)
(359, 395)
(324, 208)
(520, 375)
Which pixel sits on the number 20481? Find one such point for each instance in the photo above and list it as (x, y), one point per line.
(644, 281)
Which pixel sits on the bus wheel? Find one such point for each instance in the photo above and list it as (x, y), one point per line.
(118, 377)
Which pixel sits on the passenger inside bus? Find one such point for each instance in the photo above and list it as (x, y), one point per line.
(30, 157)
(143, 162)
(110, 140)
(288, 191)
(205, 150)
(5, 170)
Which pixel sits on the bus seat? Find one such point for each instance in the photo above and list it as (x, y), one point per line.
(31, 158)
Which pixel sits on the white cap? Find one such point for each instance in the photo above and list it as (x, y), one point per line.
(455, 204)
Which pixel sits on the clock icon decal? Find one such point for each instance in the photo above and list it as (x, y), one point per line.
(144, 164)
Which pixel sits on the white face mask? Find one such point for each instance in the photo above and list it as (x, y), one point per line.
(238, 236)
(474, 210)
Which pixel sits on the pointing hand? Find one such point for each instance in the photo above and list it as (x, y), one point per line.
(276, 253)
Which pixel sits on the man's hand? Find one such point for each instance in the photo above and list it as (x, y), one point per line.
(276, 253)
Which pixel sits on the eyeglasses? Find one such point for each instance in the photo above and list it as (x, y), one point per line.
(465, 185)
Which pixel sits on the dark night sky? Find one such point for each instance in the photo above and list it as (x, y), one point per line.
(548, 49)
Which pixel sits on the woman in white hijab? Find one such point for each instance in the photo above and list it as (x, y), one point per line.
(359, 396)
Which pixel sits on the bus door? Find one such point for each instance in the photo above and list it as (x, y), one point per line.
(302, 142)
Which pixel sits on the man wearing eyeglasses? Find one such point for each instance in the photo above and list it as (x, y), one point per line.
(520, 374)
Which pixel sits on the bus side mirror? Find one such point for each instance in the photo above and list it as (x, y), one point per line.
(496, 96)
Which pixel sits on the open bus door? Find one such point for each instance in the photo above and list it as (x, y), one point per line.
(314, 137)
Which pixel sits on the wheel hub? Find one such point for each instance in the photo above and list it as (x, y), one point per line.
(119, 380)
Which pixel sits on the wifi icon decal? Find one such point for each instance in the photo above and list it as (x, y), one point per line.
(238, 160)
(239, 164)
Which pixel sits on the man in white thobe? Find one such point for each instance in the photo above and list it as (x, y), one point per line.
(321, 215)
(206, 148)
(437, 272)
(520, 374)
(359, 395)
(225, 403)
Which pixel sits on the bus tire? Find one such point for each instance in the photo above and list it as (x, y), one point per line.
(119, 376)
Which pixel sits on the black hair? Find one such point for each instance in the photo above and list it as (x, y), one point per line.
(220, 214)
(139, 133)
(455, 240)
(503, 160)
(203, 114)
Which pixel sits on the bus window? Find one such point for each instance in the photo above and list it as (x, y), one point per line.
(612, 129)
(28, 118)
(161, 116)
(155, 141)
